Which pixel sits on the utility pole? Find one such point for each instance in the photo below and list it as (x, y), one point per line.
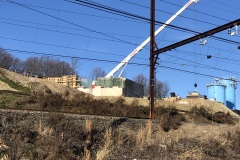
(152, 59)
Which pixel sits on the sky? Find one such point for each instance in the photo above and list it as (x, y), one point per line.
(99, 38)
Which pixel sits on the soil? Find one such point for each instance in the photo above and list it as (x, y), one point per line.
(37, 85)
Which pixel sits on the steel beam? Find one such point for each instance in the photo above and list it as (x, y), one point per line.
(199, 36)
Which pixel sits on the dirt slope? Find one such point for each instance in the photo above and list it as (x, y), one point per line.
(188, 104)
(4, 86)
(37, 85)
(42, 86)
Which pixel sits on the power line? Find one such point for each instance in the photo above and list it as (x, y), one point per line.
(207, 66)
(106, 61)
(60, 46)
(189, 18)
(197, 11)
(69, 22)
(119, 12)
(166, 54)
(62, 32)
(78, 13)
(77, 29)
(227, 60)
(218, 2)
(112, 10)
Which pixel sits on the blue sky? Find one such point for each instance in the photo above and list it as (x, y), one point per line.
(63, 28)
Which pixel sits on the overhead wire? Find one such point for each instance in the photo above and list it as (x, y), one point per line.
(227, 60)
(68, 22)
(118, 11)
(8, 0)
(62, 27)
(213, 16)
(162, 11)
(106, 61)
(222, 9)
(62, 32)
(100, 60)
(66, 47)
(110, 53)
(72, 12)
(207, 66)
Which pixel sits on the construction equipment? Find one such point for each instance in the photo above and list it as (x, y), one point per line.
(140, 47)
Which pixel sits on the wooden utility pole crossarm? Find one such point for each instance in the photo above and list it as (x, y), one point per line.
(199, 36)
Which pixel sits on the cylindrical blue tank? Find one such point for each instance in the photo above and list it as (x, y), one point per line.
(231, 86)
(217, 91)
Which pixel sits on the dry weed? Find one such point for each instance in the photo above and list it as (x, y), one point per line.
(108, 137)
(86, 154)
(88, 125)
(149, 130)
(140, 138)
(107, 143)
(102, 153)
(144, 136)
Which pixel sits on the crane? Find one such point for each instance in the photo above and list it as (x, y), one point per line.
(140, 47)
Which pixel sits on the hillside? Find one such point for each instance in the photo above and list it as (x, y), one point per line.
(32, 125)
(40, 86)
(36, 85)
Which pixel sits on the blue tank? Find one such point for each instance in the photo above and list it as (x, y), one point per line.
(217, 91)
(231, 86)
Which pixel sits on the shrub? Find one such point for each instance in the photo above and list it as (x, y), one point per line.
(171, 120)
(203, 116)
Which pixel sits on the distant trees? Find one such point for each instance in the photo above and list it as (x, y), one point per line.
(141, 79)
(97, 72)
(9, 62)
(161, 88)
(47, 66)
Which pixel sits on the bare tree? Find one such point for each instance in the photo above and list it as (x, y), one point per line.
(161, 89)
(97, 72)
(17, 65)
(47, 66)
(74, 65)
(141, 79)
(8, 61)
(31, 65)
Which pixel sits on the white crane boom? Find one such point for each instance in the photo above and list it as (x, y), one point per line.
(140, 47)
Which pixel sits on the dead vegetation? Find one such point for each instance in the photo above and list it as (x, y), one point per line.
(192, 133)
(174, 135)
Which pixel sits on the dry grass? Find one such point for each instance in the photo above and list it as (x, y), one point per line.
(140, 138)
(108, 140)
(108, 137)
(88, 125)
(144, 135)
(86, 154)
(119, 139)
(102, 154)
(208, 133)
